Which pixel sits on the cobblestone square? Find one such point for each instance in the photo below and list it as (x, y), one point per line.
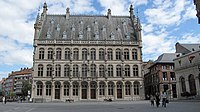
(122, 106)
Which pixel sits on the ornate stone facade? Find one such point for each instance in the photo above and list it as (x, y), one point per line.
(187, 68)
(82, 57)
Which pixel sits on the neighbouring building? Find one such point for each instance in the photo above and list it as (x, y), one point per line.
(12, 85)
(187, 68)
(25, 74)
(197, 3)
(161, 76)
(84, 57)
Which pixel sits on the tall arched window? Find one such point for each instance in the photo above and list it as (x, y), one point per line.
(39, 88)
(119, 70)
(66, 70)
(102, 88)
(110, 71)
(128, 88)
(110, 88)
(40, 70)
(135, 70)
(101, 54)
(192, 85)
(66, 88)
(75, 89)
(84, 70)
(93, 70)
(50, 53)
(101, 71)
(134, 54)
(41, 53)
(136, 88)
(93, 54)
(49, 70)
(110, 54)
(58, 53)
(84, 54)
(118, 54)
(127, 71)
(75, 70)
(67, 54)
(76, 54)
(58, 71)
(126, 54)
(48, 88)
(183, 86)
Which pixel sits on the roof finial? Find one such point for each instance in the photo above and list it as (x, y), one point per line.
(131, 10)
(109, 14)
(45, 8)
(67, 13)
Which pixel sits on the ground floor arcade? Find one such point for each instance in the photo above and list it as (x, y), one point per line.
(87, 90)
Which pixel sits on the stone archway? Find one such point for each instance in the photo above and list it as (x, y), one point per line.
(84, 86)
(93, 86)
(119, 90)
(192, 85)
(57, 89)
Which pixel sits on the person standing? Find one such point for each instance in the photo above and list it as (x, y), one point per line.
(152, 100)
(164, 98)
(3, 99)
(157, 99)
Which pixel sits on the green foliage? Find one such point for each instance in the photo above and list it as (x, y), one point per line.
(26, 86)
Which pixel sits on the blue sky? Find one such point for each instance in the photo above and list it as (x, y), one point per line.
(164, 22)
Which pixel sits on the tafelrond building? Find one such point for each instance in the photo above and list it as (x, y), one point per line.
(84, 57)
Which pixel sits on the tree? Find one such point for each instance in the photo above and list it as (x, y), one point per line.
(26, 86)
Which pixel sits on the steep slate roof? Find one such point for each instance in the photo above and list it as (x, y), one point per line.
(186, 48)
(166, 58)
(86, 27)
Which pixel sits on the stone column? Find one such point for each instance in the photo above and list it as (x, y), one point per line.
(88, 90)
(70, 90)
(80, 89)
(123, 90)
(61, 92)
(97, 91)
(115, 91)
(53, 91)
(106, 90)
(132, 90)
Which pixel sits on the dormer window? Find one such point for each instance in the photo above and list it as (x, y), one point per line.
(88, 28)
(124, 22)
(52, 21)
(48, 34)
(73, 28)
(96, 35)
(118, 28)
(81, 21)
(193, 49)
(127, 36)
(81, 35)
(58, 27)
(104, 28)
(112, 36)
(64, 35)
(95, 21)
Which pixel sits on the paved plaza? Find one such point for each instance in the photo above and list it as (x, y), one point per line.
(122, 106)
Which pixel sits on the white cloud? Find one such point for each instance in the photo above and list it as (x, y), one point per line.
(189, 38)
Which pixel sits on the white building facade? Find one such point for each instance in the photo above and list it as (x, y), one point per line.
(80, 57)
(187, 68)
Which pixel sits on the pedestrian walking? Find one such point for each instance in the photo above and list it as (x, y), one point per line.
(152, 100)
(157, 99)
(3, 99)
(164, 99)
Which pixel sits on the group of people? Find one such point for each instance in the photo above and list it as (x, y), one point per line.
(4, 100)
(157, 99)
